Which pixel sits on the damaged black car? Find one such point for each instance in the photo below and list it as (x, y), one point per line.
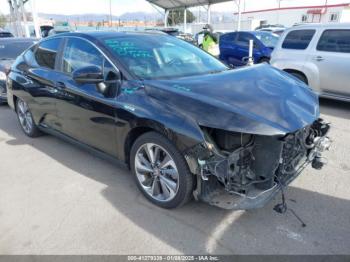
(183, 122)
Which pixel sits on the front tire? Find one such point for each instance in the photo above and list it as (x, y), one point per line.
(26, 120)
(160, 171)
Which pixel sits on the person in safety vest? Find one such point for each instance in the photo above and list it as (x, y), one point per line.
(209, 41)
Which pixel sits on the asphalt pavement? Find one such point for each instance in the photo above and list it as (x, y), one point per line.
(57, 199)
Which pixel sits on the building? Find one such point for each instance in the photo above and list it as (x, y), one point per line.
(288, 16)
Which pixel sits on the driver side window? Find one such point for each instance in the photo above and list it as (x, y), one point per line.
(78, 54)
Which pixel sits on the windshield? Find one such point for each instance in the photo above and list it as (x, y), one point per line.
(268, 39)
(10, 50)
(158, 56)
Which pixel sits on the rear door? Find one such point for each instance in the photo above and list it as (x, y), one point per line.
(228, 48)
(242, 47)
(40, 81)
(294, 49)
(332, 58)
(85, 114)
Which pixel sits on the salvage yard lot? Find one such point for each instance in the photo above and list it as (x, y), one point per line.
(58, 199)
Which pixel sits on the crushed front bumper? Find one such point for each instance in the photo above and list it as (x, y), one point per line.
(254, 199)
(253, 174)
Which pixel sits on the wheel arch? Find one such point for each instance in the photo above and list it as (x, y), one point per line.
(183, 137)
(289, 70)
(264, 57)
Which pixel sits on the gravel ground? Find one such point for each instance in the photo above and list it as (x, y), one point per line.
(57, 199)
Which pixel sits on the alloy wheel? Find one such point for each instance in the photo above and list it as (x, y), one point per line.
(157, 172)
(25, 117)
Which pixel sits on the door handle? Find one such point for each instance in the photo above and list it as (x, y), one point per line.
(319, 58)
(60, 85)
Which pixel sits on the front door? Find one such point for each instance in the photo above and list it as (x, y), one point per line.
(86, 114)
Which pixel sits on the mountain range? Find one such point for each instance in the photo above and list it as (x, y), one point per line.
(131, 16)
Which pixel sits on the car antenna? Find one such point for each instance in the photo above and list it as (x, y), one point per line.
(282, 207)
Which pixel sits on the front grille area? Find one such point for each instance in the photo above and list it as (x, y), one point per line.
(255, 162)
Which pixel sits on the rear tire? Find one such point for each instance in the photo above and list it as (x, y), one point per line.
(26, 120)
(160, 171)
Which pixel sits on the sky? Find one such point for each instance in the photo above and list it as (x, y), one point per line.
(119, 7)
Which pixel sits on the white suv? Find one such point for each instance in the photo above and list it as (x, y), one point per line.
(319, 55)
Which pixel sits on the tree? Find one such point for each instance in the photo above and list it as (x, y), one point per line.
(177, 16)
(2, 21)
(16, 7)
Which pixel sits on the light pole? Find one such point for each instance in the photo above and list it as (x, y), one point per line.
(278, 11)
(35, 20)
(238, 4)
(110, 13)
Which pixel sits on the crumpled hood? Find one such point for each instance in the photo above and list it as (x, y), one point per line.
(257, 100)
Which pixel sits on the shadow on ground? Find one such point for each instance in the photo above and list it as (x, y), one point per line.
(335, 108)
(197, 227)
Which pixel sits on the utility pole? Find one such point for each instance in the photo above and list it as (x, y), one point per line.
(278, 11)
(209, 15)
(35, 20)
(166, 13)
(185, 20)
(110, 13)
(239, 16)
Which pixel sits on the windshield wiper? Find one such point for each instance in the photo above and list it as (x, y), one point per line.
(6, 58)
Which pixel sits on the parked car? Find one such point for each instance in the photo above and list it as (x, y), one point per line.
(275, 30)
(318, 55)
(184, 123)
(4, 33)
(234, 47)
(176, 33)
(10, 48)
(268, 26)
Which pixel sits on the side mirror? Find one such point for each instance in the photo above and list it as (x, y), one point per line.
(88, 75)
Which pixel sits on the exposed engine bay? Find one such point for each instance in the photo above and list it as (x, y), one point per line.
(244, 171)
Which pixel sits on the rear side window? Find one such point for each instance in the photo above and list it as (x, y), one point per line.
(335, 41)
(46, 53)
(228, 37)
(298, 39)
(78, 54)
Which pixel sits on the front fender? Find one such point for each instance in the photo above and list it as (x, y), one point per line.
(138, 111)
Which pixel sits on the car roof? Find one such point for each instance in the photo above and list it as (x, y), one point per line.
(106, 34)
(17, 39)
(319, 25)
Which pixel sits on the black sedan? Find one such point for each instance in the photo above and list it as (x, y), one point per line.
(184, 123)
(10, 48)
